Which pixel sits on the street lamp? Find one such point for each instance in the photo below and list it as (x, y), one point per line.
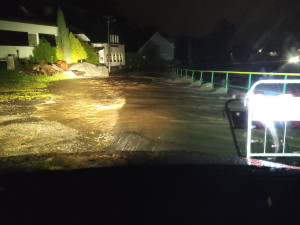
(109, 20)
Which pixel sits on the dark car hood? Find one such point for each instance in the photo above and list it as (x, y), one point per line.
(127, 158)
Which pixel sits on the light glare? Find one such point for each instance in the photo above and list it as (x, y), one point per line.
(294, 59)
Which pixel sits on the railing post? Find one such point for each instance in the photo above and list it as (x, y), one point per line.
(212, 78)
(201, 77)
(249, 82)
(193, 72)
(284, 85)
(181, 72)
(226, 83)
(186, 73)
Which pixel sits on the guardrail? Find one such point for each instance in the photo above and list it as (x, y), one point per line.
(191, 73)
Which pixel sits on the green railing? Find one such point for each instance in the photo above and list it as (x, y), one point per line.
(191, 73)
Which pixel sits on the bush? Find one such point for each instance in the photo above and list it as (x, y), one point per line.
(44, 52)
(91, 54)
(132, 60)
(150, 59)
(78, 51)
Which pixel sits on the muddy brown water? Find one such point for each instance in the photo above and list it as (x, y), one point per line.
(132, 112)
(135, 112)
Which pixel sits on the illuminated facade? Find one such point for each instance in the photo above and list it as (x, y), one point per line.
(19, 38)
(117, 52)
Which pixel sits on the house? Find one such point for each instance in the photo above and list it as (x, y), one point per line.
(117, 52)
(19, 38)
(164, 47)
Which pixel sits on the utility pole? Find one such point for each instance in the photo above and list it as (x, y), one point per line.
(109, 20)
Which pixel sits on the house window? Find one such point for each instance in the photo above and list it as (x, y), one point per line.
(115, 58)
(118, 59)
(32, 40)
(13, 38)
(110, 57)
(48, 37)
(121, 57)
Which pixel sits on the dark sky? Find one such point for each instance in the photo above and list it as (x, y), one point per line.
(255, 20)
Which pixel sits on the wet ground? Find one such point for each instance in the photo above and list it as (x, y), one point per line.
(129, 112)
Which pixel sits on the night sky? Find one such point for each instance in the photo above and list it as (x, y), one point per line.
(255, 20)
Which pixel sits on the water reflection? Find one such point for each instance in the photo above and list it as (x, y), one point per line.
(90, 105)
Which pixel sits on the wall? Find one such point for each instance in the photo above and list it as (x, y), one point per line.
(24, 51)
(29, 28)
(115, 49)
(166, 49)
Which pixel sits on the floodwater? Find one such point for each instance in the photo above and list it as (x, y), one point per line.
(143, 112)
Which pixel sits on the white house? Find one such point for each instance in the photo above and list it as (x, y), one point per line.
(117, 52)
(165, 48)
(19, 38)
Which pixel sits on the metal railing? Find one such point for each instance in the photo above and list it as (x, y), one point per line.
(191, 73)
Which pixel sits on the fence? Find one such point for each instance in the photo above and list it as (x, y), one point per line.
(227, 74)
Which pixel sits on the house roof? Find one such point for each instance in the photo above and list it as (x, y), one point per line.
(28, 21)
(82, 37)
(156, 35)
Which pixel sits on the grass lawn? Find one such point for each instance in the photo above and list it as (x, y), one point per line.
(19, 85)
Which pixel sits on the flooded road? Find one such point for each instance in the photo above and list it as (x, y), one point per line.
(139, 112)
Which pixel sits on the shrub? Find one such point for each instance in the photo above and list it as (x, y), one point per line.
(44, 52)
(78, 51)
(132, 60)
(91, 54)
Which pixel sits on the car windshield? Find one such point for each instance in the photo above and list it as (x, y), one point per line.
(102, 83)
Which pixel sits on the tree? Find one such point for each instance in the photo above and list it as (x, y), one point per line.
(44, 52)
(78, 51)
(63, 42)
(91, 54)
(59, 53)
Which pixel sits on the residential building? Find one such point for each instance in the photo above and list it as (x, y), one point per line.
(164, 47)
(19, 38)
(117, 52)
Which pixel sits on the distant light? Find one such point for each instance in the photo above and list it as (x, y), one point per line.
(260, 50)
(273, 54)
(294, 59)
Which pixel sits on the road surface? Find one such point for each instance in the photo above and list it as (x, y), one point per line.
(129, 112)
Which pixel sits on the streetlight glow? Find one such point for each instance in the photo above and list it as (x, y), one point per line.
(294, 59)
